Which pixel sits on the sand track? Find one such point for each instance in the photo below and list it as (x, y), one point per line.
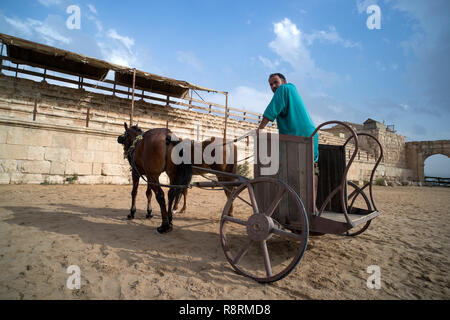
(45, 229)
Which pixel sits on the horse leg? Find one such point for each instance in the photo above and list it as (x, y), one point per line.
(172, 195)
(177, 202)
(134, 191)
(149, 199)
(166, 225)
(184, 200)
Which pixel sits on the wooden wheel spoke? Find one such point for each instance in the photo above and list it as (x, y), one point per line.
(251, 193)
(275, 202)
(244, 201)
(238, 221)
(242, 252)
(286, 234)
(266, 258)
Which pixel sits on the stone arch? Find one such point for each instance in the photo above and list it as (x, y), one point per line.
(419, 151)
(433, 154)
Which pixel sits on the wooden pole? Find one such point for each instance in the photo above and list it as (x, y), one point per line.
(88, 115)
(226, 117)
(132, 98)
(1, 54)
(35, 110)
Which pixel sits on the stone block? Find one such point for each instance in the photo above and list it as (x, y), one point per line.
(63, 140)
(96, 168)
(14, 152)
(57, 154)
(8, 166)
(78, 168)
(33, 178)
(97, 144)
(26, 136)
(112, 170)
(55, 179)
(116, 180)
(57, 167)
(35, 153)
(99, 156)
(30, 166)
(95, 179)
(79, 155)
(3, 134)
(16, 177)
(5, 178)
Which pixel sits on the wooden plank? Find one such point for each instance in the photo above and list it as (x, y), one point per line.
(293, 177)
(283, 176)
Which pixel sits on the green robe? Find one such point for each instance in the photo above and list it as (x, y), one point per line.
(288, 109)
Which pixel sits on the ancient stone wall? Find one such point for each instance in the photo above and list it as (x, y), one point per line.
(44, 137)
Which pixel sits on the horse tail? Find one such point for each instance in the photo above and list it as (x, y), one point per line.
(183, 176)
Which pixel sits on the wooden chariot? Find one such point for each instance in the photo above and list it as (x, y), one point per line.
(270, 218)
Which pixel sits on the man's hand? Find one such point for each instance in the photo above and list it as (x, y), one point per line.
(263, 124)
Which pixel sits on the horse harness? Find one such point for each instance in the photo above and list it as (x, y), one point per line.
(130, 156)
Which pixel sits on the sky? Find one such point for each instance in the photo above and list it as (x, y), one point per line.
(397, 73)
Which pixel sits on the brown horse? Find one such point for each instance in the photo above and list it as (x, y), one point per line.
(230, 167)
(149, 154)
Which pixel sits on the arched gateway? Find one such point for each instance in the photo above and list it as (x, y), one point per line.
(418, 151)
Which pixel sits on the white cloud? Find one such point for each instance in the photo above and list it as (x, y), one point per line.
(249, 99)
(362, 5)
(45, 30)
(92, 8)
(290, 45)
(117, 54)
(48, 32)
(126, 41)
(330, 36)
(49, 3)
(269, 64)
(21, 26)
(190, 59)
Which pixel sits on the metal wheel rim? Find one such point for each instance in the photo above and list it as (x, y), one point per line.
(369, 207)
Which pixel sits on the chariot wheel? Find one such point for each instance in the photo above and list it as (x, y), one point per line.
(254, 242)
(363, 202)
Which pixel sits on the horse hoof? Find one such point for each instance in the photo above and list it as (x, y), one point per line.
(164, 229)
(148, 216)
(130, 217)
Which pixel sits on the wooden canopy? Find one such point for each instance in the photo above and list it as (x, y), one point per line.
(42, 56)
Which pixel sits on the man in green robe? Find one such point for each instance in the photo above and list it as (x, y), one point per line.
(288, 109)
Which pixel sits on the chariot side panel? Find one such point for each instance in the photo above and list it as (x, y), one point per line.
(295, 168)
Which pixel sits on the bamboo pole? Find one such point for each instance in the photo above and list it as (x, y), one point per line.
(132, 98)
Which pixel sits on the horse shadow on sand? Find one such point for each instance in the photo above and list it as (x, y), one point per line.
(136, 238)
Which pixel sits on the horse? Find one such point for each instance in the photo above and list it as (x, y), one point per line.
(224, 166)
(149, 154)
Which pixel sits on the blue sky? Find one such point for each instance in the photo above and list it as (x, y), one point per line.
(398, 74)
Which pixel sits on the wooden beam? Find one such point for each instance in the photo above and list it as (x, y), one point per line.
(88, 115)
(132, 98)
(35, 110)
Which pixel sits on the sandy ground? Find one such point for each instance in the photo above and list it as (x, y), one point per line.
(45, 229)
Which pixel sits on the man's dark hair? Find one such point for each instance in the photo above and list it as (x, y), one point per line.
(278, 74)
